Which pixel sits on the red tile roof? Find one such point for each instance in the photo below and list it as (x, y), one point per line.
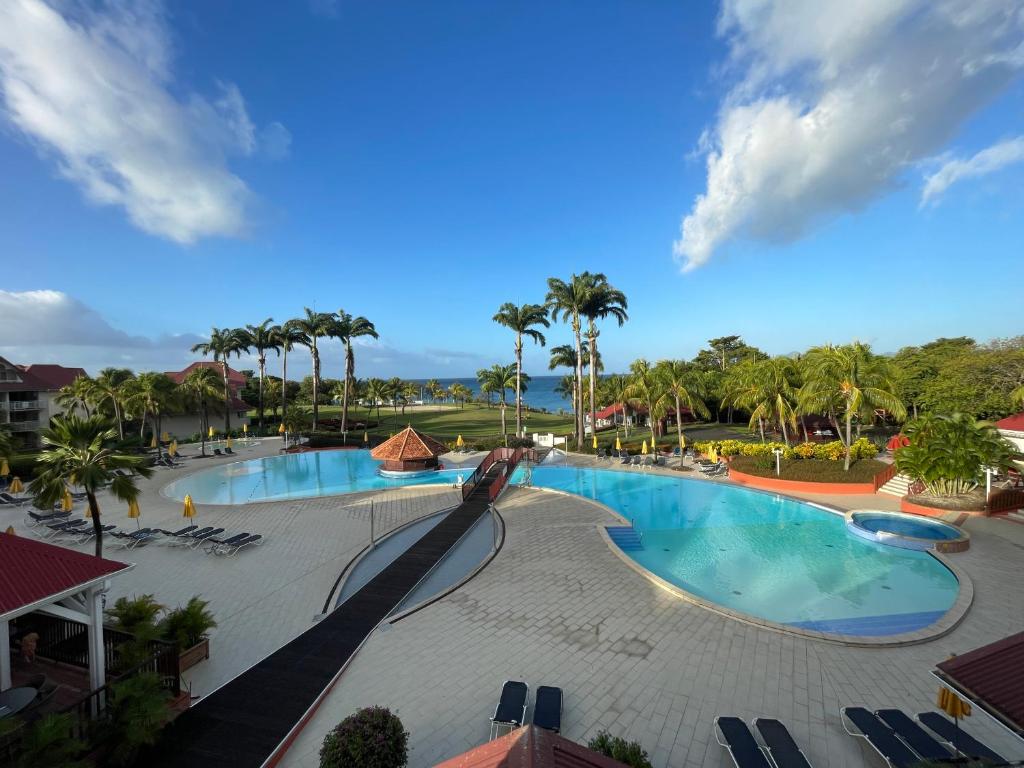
(992, 677)
(34, 571)
(235, 378)
(53, 376)
(28, 383)
(1013, 423)
(408, 445)
(531, 747)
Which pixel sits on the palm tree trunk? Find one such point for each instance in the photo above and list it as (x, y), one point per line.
(803, 423)
(785, 434)
(227, 399)
(117, 415)
(650, 422)
(760, 427)
(679, 429)
(204, 425)
(593, 367)
(519, 376)
(504, 430)
(849, 424)
(316, 384)
(579, 387)
(97, 526)
(348, 377)
(284, 384)
(263, 371)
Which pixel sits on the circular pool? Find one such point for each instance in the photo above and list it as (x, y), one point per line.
(898, 529)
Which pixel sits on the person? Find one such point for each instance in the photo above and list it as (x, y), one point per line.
(28, 646)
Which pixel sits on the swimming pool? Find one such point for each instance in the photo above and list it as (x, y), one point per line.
(297, 476)
(765, 555)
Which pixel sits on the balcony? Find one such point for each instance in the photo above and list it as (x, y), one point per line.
(23, 426)
(24, 405)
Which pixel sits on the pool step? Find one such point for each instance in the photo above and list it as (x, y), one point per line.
(898, 485)
(625, 537)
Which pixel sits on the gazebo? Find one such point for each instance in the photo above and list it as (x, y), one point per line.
(37, 577)
(409, 451)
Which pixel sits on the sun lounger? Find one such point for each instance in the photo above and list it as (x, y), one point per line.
(782, 749)
(82, 535)
(52, 529)
(216, 452)
(237, 545)
(187, 529)
(913, 735)
(6, 498)
(132, 539)
(33, 519)
(216, 541)
(733, 734)
(177, 539)
(624, 456)
(229, 452)
(879, 736)
(957, 738)
(511, 710)
(198, 539)
(547, 708)
(602, 454)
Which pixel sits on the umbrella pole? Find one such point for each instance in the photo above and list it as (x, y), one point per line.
(956, 737)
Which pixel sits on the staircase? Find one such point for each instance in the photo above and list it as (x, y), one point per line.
(625, 537)
(897, 485)
(1017, 517)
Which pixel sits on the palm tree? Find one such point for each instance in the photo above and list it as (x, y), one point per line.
(460, 393)
(522, 320)
(500, 379)
(615, 389)
(109, 387)
(347, 328)
(201, 387)
(314, 325)
(223, 343)
(77, 453)
(155, 394)
(287, 337)
(766, 388)
(410, 391)
(376, 393)
(647, 388)
(433, 387)
(844, 380)
(685, 387)
(262, 338)
(567, 302)
(564, 356)
(78, 394)
(603, 300)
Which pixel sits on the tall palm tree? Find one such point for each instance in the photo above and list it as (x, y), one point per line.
(564, 356)
(459, 393)
(615, 388)
(767, 389)
(603, 301)
(500, 378)
(433, 387)
(78, 394)
(376, 393)
(567, 302)
(263, 339)
(685, 387)
(78, 453)
(314, 325)
(348, 328)
(521, 320)
(287, 336)
(843, 381)
(201, 386)
(645, 387)
(223, 343)
(154, 394)
(108, 387)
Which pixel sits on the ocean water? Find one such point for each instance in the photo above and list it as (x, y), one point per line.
(540, 392)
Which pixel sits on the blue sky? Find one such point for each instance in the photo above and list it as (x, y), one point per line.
(788, 173)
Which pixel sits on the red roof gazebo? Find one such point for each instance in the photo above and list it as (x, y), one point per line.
(409, 451)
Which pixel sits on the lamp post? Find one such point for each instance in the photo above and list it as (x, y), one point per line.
(989, 471)
(778, 461)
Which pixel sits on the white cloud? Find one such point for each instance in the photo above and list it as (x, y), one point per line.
(986, 161)
(834, 100)
(93, 87)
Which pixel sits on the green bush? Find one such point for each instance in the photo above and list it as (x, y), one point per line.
(373, 737)
(137, 712)
(187, 625)
(949, 453)
(617, 748)
(48, 742)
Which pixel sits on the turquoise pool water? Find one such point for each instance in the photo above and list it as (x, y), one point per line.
(765, 555)
(296, 476)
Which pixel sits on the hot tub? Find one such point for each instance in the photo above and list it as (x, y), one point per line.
(897, 529)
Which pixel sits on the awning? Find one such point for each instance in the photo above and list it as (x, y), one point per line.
(991, 677)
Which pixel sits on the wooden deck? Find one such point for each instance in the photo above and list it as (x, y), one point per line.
(242, 723)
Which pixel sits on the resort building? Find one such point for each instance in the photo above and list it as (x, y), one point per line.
(28, 397)
(1012, 428)
(184, 425)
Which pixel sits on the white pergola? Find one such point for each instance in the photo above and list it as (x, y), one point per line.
(43, 578)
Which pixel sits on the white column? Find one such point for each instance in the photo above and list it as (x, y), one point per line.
(5, 655)
(97, 661)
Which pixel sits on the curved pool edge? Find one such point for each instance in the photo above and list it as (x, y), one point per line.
(949, 620)
(959, 544)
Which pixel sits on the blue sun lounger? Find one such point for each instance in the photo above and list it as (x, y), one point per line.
(782, 750)
(879, 736)
(547, 708)
(913, 735)
(957, 738)
(511, 709)
(733, 734)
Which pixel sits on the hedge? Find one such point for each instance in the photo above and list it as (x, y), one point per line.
(834, 451)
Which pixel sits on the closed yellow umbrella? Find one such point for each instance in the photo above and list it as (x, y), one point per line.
(229, 441)
(643, 448)
(189, 509)
(280, 429)
(210, 432)
(166, 436)
(66, 502)
(459, 442)
(10, 531)
(956, 708)
(595, 441)
(245, 428)
(5, 468)
(133, 511)
(713, 455)
(682, 442)
(16, 485)
(366, 437)
(172, 449)
(152, 443)
(618, 443)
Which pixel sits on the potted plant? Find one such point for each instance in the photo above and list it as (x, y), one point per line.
(187, 627)
(373, 737)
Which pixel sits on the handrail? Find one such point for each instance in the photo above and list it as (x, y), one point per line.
(512, 462)
(1005, 500)
(885, 476)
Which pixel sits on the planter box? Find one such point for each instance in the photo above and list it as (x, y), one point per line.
(192, 656)
(800, 486)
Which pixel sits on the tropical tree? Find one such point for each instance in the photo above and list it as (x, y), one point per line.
(567, 301)
(434, 389)
(109, 387)
(949, 453)
(460, 393)
(6, 445)
(223, 343)
(376, 393)
(842, 381)
(77, 452)
(685, 387)
(768, 390)
(648, 389)
(313, 326)
(263, 338)
(501, 378)
(348, 328)
(394, 394)
(564, 356)
(287, 336)
(202, 387)
(615, 390)
(76, 395)
(153, 394)
(522, 321)
(603, 301)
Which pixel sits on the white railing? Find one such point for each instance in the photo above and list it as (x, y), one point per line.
(22, 426)
(24, 405)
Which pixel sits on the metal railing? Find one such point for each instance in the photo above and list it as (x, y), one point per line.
(885, 476)
(1006, 500)
(23, 426)
(24, 405)
(511, 455)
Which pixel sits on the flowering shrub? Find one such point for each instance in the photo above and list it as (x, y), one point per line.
(373, 737)
(834, 451)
